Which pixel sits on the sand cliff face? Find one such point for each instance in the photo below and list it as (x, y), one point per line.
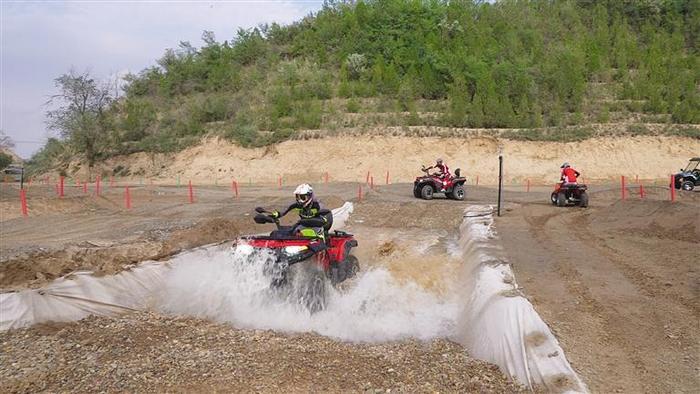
(350, 158)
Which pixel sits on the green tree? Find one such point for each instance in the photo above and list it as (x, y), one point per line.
(5, 160)
(80, 112)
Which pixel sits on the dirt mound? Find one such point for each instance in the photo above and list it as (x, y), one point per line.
(213, 230)
(150, 352)
(658, 219)
(37, 268)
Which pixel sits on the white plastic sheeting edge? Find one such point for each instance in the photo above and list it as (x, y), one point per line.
(498, 324)
(80, 294)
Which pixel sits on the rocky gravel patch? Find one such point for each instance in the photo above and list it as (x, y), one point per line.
(147, 352)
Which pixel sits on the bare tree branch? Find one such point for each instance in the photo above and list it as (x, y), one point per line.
(6, 141)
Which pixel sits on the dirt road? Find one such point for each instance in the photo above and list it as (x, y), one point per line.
(618, 283)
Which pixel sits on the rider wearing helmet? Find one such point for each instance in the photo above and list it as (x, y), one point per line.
(307, 207)
(443, 172)
(568, 174)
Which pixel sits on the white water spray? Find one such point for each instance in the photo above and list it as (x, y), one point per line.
(216, 284)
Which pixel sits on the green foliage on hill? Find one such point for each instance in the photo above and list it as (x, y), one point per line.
(511, 64)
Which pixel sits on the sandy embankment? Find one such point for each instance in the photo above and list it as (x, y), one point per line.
(349, 159)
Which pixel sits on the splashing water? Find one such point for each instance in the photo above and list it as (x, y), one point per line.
(217, 284)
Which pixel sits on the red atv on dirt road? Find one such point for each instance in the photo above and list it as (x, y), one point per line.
(570, 194)
(322, 261)
(425, 186)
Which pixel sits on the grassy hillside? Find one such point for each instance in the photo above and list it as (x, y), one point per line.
(552, 68)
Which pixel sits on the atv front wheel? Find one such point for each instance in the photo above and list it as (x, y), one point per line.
(426, 192)
(458, 192)
(416, 192)
(561, 199)
(314, 295)
(688, 186)
(553, 198)
(583, 203)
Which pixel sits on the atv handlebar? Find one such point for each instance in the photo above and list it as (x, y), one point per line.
(265, 216)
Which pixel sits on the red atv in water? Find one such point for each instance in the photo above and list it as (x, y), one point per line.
(570, 194)
(284, 249)
(425, 186)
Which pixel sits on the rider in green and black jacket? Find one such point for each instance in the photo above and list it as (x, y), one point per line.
(307, 207)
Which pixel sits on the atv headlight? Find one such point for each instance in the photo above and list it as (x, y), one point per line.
(292, 250)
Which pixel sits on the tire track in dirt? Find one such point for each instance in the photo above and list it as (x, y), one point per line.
(657, 323)
(645, 281)
(594, 322)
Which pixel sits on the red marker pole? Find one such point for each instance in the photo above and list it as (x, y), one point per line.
(279, 182)
(387, 177)
(359, 193)
(528, 185)
(23, 202)
(61, 181)
(234, 185)
(85, 187)
(371, 182)
(673, 189)
(127, 198)
(477, 180)
(622, 186)
(641, 191)
(191, 192)
(326, 179)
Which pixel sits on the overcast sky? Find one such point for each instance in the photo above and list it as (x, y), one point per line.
(42, 40)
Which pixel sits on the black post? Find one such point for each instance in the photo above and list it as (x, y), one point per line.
(21, 179)
(500, 181)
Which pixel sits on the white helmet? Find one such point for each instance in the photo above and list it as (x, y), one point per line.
(566, 164)
(304, 194)
(439, 160)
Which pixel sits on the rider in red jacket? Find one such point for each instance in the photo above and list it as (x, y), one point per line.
(568, 174)
(443, 172)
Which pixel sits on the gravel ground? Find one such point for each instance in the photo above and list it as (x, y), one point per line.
(146, 352)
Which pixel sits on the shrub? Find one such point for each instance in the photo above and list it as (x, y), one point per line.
(356, 64)
(353, 106)
(5, 160)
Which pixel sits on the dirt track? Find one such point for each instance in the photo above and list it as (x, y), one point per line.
(618, 282)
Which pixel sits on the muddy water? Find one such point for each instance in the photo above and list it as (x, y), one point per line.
(403, 290)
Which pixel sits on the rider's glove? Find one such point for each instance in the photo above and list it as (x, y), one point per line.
(275, 214)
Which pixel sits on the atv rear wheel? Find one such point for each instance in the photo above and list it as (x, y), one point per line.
(426, 192)
(352, 265)
(688, 186)
(561, 199)
(583, 203)
(458, 192)
(553, 198)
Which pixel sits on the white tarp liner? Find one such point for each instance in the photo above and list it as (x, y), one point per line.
(498, 324)
(81, 294)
